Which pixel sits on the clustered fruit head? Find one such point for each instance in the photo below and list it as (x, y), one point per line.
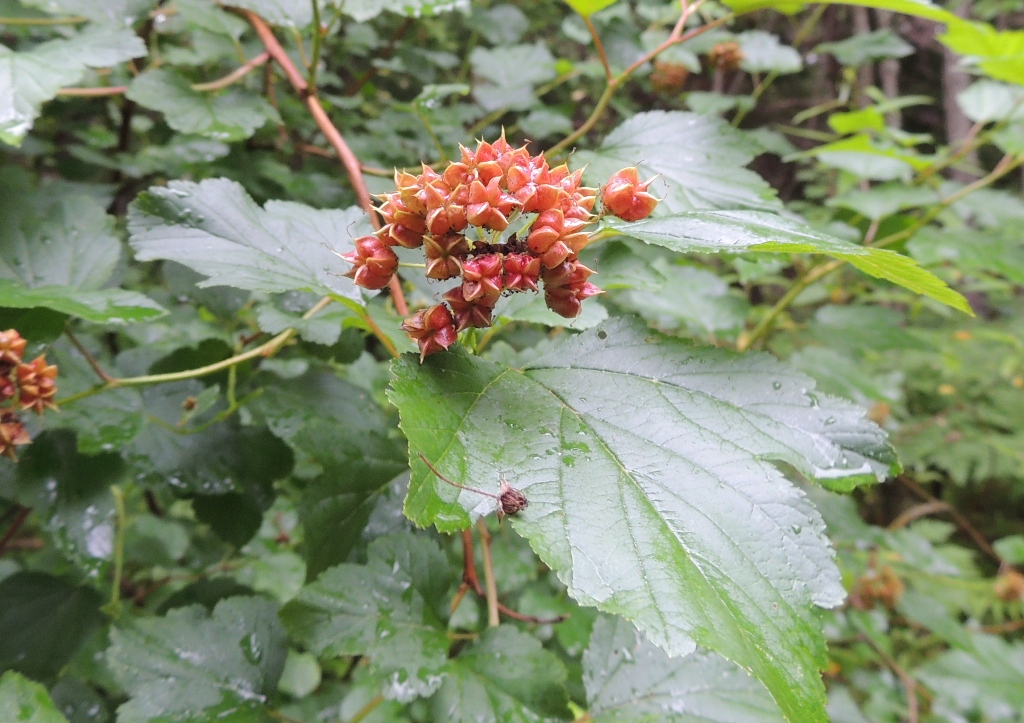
(458, 218)
(24, 386)
(726, 56)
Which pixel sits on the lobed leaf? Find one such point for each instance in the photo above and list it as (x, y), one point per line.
(191, 665)
(627, 679)
(25, 701)
(215, 228)
(738, 231)
(701, 160)
(622, 434)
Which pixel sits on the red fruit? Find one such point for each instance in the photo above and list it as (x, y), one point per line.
(37, 385)
(477, 312)
(12, 434)
(624, 196)
(444, 255)
(521, 272)
(488, 206)
(433, 329)
(373, 263)
(12, 346)
(566, 286)
(482, 278)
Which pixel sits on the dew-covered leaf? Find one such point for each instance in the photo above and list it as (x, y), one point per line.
(230, 115)
(26, 701)
(760, 231)
(215, 228)
(29, 78)
(505, 675)
(191, 665)
(628, 679)
(389, 610)
(701, 160)
(43, 621)
(620, 433)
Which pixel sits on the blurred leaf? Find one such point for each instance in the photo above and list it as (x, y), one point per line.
(988, 682)
(363, 10)
(230, 115)
(999, 54)
(862, 48)
(917, 8)
(701, 160)
(121, 13)
(986, 101)
(56, 252)
(30, 78)
(1011, 549)
(215, 228)
(505, 675)
(714, 231)
(693, 299)
(622, 433)
(43, 621)
(884, 200)
(763, 53)
(189, 665)
(387, 610)
(629, 679)
(280, 12)
(586, 8)
(25, 701)
(510, 73)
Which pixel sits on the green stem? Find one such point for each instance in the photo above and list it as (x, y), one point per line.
(318, 39)
(264, 350)
(365, 711)
(114, 607)
(614, 83)
(71, 20)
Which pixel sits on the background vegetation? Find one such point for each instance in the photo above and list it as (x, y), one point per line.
(221, 521)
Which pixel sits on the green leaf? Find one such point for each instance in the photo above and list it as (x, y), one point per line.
(693, 299)
(510, 74)
(43, 621)
(999, 54)
(189, 665)
(121, 13)
(506, 675)
(620, 433)
(987, 101)
(288, 13)
(363, 10)
(230, 115)
(56, 251)
(865, 47)
(763, 53)
(586, 8)
(987, 684)
(701, 160)
(215, 228)
(917, 8)
(25, 701)
(388, 610)
(878, 202)
(629, 679)
(714, 231)
(72, 493)
(30, 78)
(209, 17)
(1011, 549)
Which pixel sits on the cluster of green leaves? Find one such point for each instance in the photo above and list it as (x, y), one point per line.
(229, 518)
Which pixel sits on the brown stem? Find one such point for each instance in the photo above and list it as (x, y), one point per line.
(530, 618)
(908, 682)
(600, 47)
(962, 522)
(19, 520)
(93, 92)
(922, 510)
(88, 357)
(455, 484)
(235, 75)
(331, 133)
(469, 576)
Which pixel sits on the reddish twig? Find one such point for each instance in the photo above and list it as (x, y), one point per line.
(88, 357)
(962, 522)
(331, 133)
(469, 575)
(19, 520)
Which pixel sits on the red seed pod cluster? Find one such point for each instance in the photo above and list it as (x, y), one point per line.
(24, 386)
(460, 218)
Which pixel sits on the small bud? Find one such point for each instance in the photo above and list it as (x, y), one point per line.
(476, 313)
(433, 329)
(625, 197)
(12, 346)
(510, 500)
(521, 272)
(444, 255)
(373, 263)
(726, 56)
(482, 277)
(37, 385)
